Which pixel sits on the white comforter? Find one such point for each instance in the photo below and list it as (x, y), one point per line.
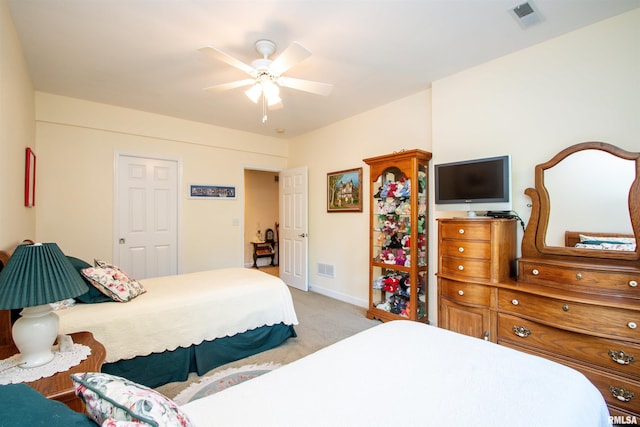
(405, 373)
(178, 311)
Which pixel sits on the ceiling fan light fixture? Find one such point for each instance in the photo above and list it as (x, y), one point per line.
(254, 92)
(266, 74)
(273, 100)
(271, 90)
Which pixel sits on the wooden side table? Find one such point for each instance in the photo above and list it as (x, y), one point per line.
(59, 386)
(261, 250)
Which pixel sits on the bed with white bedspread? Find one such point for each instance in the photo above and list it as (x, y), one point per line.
(406, 373)
(187, 312)
(178, 311)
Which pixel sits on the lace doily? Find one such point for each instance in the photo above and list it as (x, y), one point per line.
(11, 373)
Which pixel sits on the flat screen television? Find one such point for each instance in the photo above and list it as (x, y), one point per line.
(477, 185)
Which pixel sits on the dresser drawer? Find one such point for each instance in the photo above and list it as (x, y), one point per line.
(467, 293)
(577, 278)
(465, 268)
(603, 381)
(572, 345)
(465, 249)
(617, 391)
(601, 320)
(467, 230)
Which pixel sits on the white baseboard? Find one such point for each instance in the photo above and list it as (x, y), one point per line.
(260, 263)
(330, 293)
(339, 296)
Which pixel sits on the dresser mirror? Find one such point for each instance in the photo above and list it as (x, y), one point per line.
(591, 189)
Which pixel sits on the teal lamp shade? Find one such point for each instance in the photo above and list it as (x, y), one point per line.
(35, 276)
(38, 274)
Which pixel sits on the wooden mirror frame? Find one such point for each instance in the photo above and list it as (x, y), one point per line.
(534, 239)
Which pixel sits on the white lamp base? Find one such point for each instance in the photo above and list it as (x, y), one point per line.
(34, 334)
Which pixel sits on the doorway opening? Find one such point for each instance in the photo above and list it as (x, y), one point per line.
(261, 215)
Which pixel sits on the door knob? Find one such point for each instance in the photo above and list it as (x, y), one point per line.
(122, 241)
(302, 235)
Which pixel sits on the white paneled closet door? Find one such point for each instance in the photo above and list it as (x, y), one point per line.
(146, 205)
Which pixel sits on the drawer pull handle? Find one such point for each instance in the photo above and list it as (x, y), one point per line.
(521, 331)
(621, 393)
(460, 249)
(460, 292)
(565, 307)
(461, 267)
(515, 302)
(621, 357)
(633, 283)
(461, 231)
(632, 325)
(535, 272)
(579, 276)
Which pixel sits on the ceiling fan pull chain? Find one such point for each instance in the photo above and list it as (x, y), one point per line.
(264, 109)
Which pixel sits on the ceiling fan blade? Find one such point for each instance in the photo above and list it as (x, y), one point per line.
(224, 57)
(289, 57)
(231, 85)
(318, 88)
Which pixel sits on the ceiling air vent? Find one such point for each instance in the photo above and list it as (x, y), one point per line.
(526, 15)
(523, 10)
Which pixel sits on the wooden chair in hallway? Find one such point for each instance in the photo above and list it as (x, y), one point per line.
(266, 249)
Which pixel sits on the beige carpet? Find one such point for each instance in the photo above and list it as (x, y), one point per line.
(322, 321)
(274, 271)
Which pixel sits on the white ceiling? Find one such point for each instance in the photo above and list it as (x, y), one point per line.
(143, 54)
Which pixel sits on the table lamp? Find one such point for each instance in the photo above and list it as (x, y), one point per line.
(35, 276)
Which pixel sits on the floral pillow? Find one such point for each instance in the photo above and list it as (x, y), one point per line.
(607, 239)
(92, 296)
(609, 243)
(113, 282)
(619, 246)
(114, 401)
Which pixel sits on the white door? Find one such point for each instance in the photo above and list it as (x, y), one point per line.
(293, 228)
(146, 216)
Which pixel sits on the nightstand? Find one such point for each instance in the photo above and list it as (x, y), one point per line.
(261, 250)
(59, 386)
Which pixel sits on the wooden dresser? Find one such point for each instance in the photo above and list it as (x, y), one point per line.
(578, 307)
(472, 254)
(596, 335)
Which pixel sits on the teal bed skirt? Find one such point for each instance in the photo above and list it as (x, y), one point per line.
(157, 369)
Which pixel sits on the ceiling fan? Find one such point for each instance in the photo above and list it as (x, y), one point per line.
(267, 75)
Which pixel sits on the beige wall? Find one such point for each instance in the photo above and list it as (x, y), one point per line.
(531, 104)
(16, 134)
(582, 86)
(260, 209)
(341, 239)
(77, 141)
